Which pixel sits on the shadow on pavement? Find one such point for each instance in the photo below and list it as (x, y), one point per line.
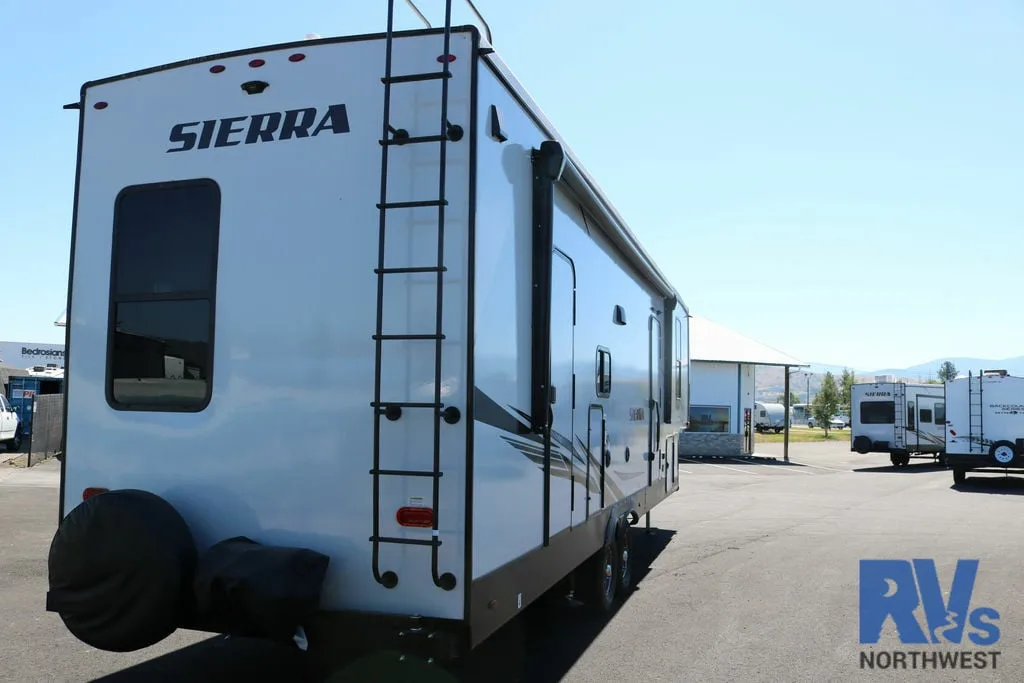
(552, 635)
(735, 462)
(912, 468)
(218, 659)
(991, 482)
(540, 645)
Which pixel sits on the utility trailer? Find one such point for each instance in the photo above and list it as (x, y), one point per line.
(899, 418)
(985, 428)
(487, 374)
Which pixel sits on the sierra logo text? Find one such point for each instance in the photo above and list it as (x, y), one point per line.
(896, 589)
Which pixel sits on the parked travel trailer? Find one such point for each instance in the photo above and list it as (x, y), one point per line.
(902, 419)
(769, 417)
(985, 423)
(492, 372)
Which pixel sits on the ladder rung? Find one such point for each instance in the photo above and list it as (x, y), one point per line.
(430, 221)
(406, 404)
(407, 473)
(412, 269)
(405, 541)
(409, 78)
(414, 141)
(408, 337)
(413, 205)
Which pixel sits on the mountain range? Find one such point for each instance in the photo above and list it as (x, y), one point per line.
(769, 381)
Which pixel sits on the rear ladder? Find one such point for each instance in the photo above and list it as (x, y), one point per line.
(976, 415)
(899, 396)
(392, 410)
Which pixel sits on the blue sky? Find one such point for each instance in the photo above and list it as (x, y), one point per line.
(843, 181)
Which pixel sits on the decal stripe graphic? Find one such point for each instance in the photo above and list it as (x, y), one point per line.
(518, 435)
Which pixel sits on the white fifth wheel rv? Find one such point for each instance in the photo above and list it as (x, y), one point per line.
(985, 423)
(898, 418)
(486, 373)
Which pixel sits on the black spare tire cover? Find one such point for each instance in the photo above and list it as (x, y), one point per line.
(862, 444)
(121, 566)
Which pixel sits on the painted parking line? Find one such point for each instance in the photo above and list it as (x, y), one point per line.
(784, 468)
(685, 471)
(711, 464)
(822, 467)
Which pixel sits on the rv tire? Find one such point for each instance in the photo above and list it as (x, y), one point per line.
(598, 577)
(624, 552)
(1003, 447)
(959, 475)
(121, 566)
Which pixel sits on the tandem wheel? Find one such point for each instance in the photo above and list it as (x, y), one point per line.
(598, 579)
(959, 475)
(899, 459)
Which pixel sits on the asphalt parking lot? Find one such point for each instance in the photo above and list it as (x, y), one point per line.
(750, 574)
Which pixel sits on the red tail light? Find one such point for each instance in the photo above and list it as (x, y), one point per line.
(952, 432)
(416, 517)
(92, 491)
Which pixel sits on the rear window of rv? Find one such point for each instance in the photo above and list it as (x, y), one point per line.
(877, 412)
(163, 282)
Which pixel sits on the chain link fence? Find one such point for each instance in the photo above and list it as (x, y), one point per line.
(47, 427)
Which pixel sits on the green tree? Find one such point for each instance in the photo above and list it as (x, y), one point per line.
(794, 398)
(847, 382)
(826, 402)
(947, 371)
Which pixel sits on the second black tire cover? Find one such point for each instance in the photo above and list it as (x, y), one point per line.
(120, 569)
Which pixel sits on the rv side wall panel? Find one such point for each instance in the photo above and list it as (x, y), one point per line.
(282, 452)
(508, 459)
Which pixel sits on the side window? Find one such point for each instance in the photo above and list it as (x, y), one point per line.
(926, 416)
(604, 372)
(877, 412)
(162, 292)
(710, 418)
(940, 413)
(910, 415)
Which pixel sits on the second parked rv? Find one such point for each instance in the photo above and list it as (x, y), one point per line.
(898, 418)
(986, 423)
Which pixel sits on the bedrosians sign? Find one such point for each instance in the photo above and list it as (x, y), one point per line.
(27, 354)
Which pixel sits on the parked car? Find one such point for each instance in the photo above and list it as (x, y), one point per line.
(837, 422)
(10, 426)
